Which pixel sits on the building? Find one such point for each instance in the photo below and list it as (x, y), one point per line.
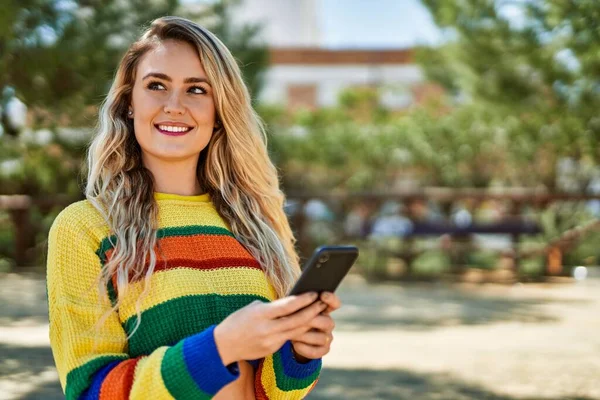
(304, 73)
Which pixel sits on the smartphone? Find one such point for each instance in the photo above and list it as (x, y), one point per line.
(325, 270)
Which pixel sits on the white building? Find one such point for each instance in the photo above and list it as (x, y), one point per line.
(304, 73)
(303, 77)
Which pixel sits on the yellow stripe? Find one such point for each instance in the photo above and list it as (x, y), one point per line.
(147, 378)
(186, 214)
(269, 383)
(73, 291)
(171, 214)
(90, 217)
(173, 283)
(73, 350)
(200, 198)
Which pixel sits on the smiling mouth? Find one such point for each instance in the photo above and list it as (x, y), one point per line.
(173, 130)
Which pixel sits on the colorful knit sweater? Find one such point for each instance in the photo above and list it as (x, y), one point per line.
(202, 275)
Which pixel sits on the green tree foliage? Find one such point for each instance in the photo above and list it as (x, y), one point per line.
(338, 148)
(536, 66)
(359, 145)
(64, 62)
(523, 90)
(60, 55)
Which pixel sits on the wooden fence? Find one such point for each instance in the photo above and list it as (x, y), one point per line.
(20, 208)
(514, 224)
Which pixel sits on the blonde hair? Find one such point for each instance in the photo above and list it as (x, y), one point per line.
(234, 168)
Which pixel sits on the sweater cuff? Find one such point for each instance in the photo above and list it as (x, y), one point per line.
(193, 367)
(295, 369)
(204, 362)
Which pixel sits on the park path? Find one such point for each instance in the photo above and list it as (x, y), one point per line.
(411, 341)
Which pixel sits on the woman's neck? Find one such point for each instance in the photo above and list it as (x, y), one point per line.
(174, 177)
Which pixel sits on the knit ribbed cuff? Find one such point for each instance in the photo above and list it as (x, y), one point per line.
(204, 362)
(295, 369)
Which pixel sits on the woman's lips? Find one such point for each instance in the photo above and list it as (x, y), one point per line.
(177, 132)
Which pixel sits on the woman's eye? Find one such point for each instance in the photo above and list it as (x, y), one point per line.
(160, 86)
(197, 90)
(155, 86)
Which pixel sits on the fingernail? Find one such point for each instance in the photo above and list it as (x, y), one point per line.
(314, 295)
(326, 296)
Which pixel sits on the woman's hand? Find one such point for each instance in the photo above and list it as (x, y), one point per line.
(316, 342)
(260, 329)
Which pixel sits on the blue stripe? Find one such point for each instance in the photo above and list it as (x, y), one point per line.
(93, 392)
(293, 368)
(204, 362)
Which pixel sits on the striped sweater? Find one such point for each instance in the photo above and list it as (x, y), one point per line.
(202, 275)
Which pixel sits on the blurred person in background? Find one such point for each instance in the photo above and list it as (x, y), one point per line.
(391, 222)
(170, 279)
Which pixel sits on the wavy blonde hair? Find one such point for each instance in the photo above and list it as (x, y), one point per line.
(234, 169)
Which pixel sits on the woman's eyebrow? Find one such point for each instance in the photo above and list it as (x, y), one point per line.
(196, 80)
(167, 78)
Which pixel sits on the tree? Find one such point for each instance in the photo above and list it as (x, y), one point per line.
(63, 64)
(60, 55)
(536, 66)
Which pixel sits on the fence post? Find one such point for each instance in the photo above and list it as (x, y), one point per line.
(298, 223)
(24, 238)
(516, 209)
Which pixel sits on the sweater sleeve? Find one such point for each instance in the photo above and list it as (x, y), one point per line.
(281, 377)
(93, 362)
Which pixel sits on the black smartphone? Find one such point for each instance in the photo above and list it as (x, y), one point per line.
(325, 270)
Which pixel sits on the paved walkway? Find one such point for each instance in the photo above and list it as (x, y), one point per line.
(415, 341)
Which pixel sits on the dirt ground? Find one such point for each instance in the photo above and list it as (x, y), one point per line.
(411, 341)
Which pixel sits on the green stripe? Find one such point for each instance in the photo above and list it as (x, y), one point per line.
(112, 293)
(80, 378)
(287, 383)
(192, 230)
(105, 244)
(192, 314)
(176, 376)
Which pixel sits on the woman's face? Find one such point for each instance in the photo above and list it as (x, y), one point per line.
(172, 103)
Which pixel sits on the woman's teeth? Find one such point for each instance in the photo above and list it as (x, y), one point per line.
(173, 128)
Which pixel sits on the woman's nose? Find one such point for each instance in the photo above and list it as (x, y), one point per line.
(174, 105)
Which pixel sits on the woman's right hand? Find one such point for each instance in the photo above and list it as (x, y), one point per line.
(260, 329)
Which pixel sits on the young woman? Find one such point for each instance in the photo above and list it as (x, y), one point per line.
(170, 279)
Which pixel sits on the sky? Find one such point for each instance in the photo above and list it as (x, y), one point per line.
(373, 23)
(376, 23)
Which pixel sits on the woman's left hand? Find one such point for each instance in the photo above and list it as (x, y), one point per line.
(317, 342)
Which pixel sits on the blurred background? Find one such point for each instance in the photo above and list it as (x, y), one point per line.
(455, 142)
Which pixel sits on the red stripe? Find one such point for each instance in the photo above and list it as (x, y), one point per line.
(259, 390)
(200, 252)
(213, 263)
(196, 247)
(118, 382)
